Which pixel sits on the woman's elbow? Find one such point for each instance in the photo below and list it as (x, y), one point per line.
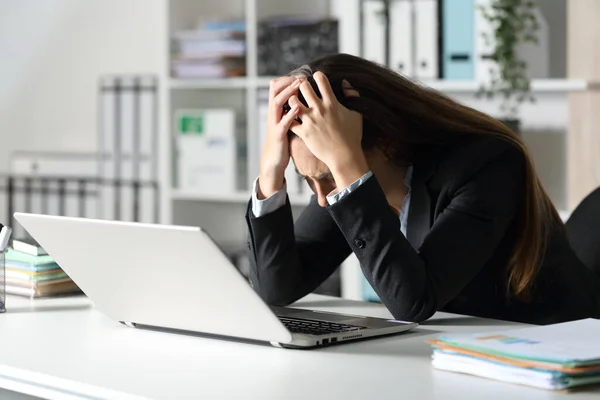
(418, 311)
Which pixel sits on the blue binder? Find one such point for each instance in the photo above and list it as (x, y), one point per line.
(368, 292)
(458, 41)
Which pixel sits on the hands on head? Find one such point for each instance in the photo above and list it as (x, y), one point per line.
(330, 131)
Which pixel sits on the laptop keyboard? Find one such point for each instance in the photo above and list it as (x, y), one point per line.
(312, 327)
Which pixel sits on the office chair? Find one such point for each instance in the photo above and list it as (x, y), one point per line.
(583, 229)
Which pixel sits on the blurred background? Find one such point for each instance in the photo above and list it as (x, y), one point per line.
(153, 110)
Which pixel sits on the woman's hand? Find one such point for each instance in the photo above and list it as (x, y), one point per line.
(331, 132)
(276, 156)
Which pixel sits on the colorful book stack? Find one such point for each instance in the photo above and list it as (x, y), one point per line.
(554, 357)
(31, 272)
(217, 49)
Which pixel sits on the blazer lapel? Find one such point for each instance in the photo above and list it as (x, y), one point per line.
(419, 213)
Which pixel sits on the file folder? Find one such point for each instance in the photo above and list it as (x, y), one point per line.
(485, 68)
(426, 41)
(373, 31)
(402, 45)
(458, 41)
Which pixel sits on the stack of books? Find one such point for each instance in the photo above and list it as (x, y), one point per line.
(31, 272)
(554, 357)
(216, 49)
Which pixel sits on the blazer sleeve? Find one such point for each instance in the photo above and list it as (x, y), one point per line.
(287, 260)
(414, 284)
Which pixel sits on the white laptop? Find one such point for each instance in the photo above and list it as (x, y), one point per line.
(177, 278)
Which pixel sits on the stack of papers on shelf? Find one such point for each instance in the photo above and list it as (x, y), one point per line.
(216, 49)
(554, 357)
(35, 276)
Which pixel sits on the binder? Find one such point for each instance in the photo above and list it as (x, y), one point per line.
(38, 170)
(485, 68)
(402, 45)
(458, 42)
(425, 42)
(413, 36)
(147, 167)
(373, 31)
(126, 151)
(207, 151)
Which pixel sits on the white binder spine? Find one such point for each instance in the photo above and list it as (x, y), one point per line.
(401, 37)
(373, 31)
(485, 68)
(425, 42)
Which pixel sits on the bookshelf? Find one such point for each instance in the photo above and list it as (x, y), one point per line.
(241, 93)
(538, 86)
(545, 123)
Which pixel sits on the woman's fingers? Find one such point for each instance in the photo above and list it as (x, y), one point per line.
(295, 102)
(324, 87)
(309, 94)
(348, 90)
(279, 101)
(296, 128)
(288, 119)
(278, 84)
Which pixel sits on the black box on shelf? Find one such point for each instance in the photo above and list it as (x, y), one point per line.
(287, 43)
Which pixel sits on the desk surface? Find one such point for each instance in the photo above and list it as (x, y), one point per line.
(57, 348)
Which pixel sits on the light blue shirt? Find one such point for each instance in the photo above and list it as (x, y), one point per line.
(277, 200)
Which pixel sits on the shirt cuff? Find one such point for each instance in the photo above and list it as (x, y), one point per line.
(336, 195)
(268, 205)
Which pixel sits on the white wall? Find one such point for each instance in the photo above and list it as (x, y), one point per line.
(51, 54)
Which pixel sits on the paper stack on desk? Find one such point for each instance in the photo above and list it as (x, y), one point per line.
(554, 357)
(35, 276)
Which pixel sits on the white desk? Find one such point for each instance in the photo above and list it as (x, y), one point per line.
(65, 348)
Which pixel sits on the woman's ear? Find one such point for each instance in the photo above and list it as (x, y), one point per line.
(349, 90)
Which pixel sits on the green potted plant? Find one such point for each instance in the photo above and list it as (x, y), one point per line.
(514, 22)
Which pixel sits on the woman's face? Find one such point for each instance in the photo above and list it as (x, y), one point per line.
(313, 170)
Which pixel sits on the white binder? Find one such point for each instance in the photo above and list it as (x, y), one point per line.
(207, 159)
(125, 155)
(425, 43)
(373, 31)
(401, 40)
(485, 68)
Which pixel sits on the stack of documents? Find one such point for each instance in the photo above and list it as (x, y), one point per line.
(554, 357)
(213, 50)
(35, 276)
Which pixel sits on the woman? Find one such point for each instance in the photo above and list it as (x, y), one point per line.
(439, 202)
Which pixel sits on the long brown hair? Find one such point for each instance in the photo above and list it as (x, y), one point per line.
(404, 118)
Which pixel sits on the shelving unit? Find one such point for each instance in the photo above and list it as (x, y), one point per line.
(538, 86)
(218, 212)
(545, 123)
(199, 84)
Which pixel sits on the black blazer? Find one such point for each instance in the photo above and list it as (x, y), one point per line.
(461, 229)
